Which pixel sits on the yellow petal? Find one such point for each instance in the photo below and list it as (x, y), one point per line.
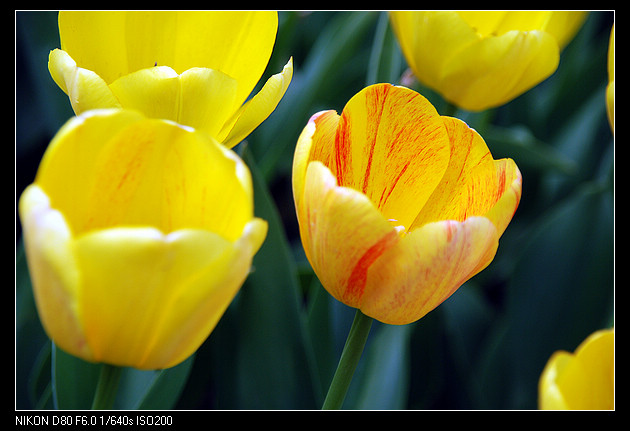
(54, 272)
(469, 185)
(117, 170)
(86, 89)
(256, 110)
(380, 150)
(116, 43)
(316, 136)
(138, 234)
(343, 233)
(202, 299)
(563, 25)
(138, 281)
(610, 89)
(482, 59)
(429, 39)
(67, 166)
(551, 397)
(199, 98)
(427, 266)
(583, 380)
(494, 70)
(153, 91)
(509, 189)
(474, 184)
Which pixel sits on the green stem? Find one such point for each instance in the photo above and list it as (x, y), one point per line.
(107, 387)
(348, 362)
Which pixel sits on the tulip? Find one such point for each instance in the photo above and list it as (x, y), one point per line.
(398, 206)
(138, 234)
(194, 68)
(584, 380)
(610, 89)
(483, 59)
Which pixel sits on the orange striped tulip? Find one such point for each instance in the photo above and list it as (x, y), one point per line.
(397, 205)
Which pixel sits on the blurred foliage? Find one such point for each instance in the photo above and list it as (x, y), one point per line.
(550, 285)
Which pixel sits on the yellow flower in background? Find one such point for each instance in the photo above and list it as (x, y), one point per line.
(610, 89)
(192, 67)
(398, 206)
(138, 234)
(483, 59)
(584, 380)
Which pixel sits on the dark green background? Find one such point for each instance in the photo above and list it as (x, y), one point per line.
(550, 285)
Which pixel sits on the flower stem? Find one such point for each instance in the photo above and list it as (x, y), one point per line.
(348, 362)
(106, 387)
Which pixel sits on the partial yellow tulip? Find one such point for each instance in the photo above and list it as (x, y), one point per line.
(398, 206)
(138, 234)
(610, 89)
(483, 59)
(192, 67)
(584, 380)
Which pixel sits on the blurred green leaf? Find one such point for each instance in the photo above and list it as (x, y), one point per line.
(74, 381)
(152, 390)
(273, 352)
(561, 290)
(519, 143)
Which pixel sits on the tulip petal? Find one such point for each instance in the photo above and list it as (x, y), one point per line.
(86, 89)
(474, 184)
(428, 39)
(154, 91)
(199, 98)
(551, 397)
(319, 131)
(145, 173)
(256, 110)
(54, 272)
(71, 156)
(116, 43)
(494, 70)
(587, 382)
(202, 299)
(583, 380)
(380, 151)
(132, 276)
(341, 248)
(161, 295)
(428, 265)
(469, 185)
(510, 181)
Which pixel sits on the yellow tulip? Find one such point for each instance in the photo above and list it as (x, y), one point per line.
(398, 206)
(610, 89)
(138, 233)
(195, 68)
(483, 59)
(584, 380)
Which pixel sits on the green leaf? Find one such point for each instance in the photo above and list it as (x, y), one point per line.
(519, 143)
(74, 381)
(272, 349)
(561, 290)
(152, 390)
